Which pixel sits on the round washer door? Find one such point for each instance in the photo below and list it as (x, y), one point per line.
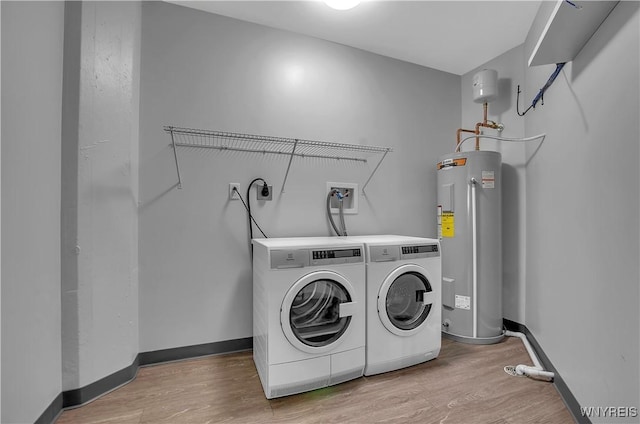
(405, 300)
(316, 311)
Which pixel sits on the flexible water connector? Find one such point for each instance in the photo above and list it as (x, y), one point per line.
(499, 138)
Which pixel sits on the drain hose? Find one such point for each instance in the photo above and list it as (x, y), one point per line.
(343, 226)
(536, 371)
(342, 231)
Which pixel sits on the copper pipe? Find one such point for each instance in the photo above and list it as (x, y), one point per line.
(461, 130)
(485, 123)
(485, 107)
(492, 125)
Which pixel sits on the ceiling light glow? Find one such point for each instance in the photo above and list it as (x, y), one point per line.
(342, 4)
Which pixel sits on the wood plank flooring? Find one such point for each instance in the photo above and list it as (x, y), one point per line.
(465, 384)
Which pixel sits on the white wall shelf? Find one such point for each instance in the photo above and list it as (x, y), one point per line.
(562, 28)
(218, 140)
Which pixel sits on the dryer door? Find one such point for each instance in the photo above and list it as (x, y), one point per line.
(405, 300)
(316, 312)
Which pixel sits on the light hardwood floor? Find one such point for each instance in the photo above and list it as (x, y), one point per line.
(465, 384)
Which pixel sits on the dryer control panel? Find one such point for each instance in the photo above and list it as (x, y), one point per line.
(336, 256)
(300, 258)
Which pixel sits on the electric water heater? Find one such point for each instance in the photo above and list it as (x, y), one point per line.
(469, 228)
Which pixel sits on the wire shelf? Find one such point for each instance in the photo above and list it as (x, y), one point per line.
(219, 140)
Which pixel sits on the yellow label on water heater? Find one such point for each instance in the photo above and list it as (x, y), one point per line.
(448, 224)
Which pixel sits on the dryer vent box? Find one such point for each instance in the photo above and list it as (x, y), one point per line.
(349, 202)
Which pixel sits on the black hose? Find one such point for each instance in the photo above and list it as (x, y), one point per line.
(343, 227)
(341, 214)
(250, 217)
(333, 224)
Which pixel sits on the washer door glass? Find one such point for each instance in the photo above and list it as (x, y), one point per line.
(315, 313)
(405, 302)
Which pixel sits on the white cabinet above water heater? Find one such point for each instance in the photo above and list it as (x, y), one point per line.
(562, 28)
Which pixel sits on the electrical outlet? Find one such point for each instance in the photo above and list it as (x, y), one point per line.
(261, 196)
(233, 194)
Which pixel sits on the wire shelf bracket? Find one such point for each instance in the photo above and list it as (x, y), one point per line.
(218, 140)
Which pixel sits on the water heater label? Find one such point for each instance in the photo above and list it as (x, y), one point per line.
(447, 163)
(488, 179)
(448, 224)
(463, 302)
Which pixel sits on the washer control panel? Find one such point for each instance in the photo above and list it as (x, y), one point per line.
(420, 251)
(394, 253)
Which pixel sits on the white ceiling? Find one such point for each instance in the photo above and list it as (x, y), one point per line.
(452, 36)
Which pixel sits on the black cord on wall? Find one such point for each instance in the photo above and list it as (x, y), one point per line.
(248, 206)
(249, 216)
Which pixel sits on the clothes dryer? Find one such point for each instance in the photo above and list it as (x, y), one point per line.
(403, 301)
(308, 313)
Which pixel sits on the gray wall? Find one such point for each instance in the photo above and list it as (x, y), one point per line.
(573, 218)
(69, 204)
(32, 40)
(207, 71)
(571, 208)
(582, 216)
(100, 190)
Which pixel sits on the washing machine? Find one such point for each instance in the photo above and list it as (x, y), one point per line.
(403, 301)
(308, 313)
